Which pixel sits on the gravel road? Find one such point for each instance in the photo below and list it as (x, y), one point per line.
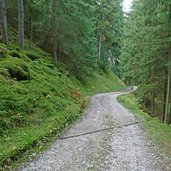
(106, 138)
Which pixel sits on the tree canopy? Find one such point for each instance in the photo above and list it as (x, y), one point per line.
(146, 54)
(84, 35)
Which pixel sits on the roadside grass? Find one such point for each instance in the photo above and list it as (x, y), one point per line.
(39, 99)
(103, 82)
(158, 131)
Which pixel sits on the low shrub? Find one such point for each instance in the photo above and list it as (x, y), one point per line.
(32, 55)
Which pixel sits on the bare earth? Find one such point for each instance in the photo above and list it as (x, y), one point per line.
(90, 146)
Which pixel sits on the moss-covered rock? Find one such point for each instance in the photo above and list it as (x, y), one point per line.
(15, 54)
(17, 69)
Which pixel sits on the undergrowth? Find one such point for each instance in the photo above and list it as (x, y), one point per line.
(158, 131)
(40, 98)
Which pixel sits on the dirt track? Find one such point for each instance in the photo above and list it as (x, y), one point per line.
(107, 138)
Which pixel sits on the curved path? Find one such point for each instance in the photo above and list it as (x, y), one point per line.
(107, 138)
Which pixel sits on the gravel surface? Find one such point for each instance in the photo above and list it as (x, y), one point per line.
(90, 146)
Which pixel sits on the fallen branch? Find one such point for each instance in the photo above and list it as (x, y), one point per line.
(96, 131)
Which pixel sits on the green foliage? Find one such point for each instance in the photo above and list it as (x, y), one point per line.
(44, 103)
(158, 131)
(109, 21)
(14, 54)
(102, 82)
(72, 31)
(32, 55)
(41, 96)
(3, 52)
(16, 68)
(146, 54)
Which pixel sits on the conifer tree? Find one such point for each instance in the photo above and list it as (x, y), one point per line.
(4, 20)
(21, 23)
(145, 55)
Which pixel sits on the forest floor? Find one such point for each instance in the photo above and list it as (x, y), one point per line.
(107, 138)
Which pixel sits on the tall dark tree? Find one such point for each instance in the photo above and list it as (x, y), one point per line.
(4, 20)
(146, 59)
(21, 23)
(85, 35)
(54, 28)
(31, 23)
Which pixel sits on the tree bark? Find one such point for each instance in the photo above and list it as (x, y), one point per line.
(100, 47)
(54, 29)
(167, 96)
(31, 27)
(167, 110)
(21, 23)
(31, 32)
(4, 20)
(153, 103)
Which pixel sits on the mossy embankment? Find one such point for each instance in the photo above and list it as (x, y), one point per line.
(39, 98)
(158, 131)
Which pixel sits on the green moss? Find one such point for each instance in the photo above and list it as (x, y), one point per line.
(42, 102)
(4, 72)
(40, 52)
(32, 55)
(13, 35)
(14, 54)
(13, 47)
(2, 45)
(17, 68)
(104, 82)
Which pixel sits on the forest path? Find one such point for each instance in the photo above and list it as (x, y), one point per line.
(106, 138)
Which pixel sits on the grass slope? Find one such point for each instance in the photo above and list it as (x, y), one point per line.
(39, 98)
(159, 132)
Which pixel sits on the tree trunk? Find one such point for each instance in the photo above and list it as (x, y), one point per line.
(31, 32)
(153, 103)
(167, 97)
(165, 94)
(100, 47)
(4, 20)
(31, 26)
(54, 29)
(21, 23)
(167, 110)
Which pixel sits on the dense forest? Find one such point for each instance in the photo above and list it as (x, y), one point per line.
(84, 35)
(53, 55)
(56, 53)
(146, 55)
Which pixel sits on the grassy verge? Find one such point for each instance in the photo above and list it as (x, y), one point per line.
(103, 82)
(39, 99)
(159, 132)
